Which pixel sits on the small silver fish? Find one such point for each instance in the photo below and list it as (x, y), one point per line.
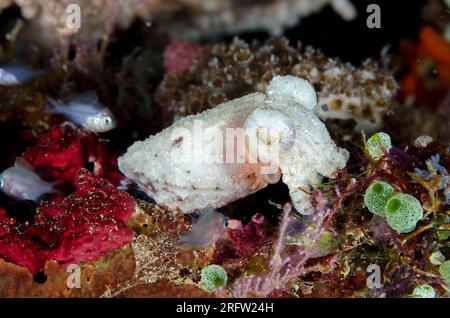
(86, 111)
(22, 183)
(12, 75)
(206, 230)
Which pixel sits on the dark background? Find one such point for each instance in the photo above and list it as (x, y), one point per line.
(353, 40)
(350, 40)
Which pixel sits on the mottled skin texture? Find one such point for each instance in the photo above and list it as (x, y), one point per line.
(196, 185)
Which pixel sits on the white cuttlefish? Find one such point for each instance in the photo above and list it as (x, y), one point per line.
(86, 111)
(22, 183)
(290, 140)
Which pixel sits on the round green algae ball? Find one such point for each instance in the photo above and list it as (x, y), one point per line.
(376, 196)
(212, 277)
(444, 270)
(377, 142)
(424, 291)
(403, 211)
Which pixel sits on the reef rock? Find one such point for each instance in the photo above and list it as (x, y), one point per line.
(225, 71)
(84, 226)
(188, 18)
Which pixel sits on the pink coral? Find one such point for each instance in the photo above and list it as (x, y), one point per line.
(61, 153)
(81, 227)
(225, 71)
(179, 56)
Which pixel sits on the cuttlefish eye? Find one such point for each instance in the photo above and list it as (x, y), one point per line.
(271, 127)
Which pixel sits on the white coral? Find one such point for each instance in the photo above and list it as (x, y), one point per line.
(215, 17)
(202, 18)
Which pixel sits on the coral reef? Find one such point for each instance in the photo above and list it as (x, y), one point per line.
(81, 227)
(64, 150)
(99, 18)
(205, 19)
(433, 53)
(160, 259)
(246, 238)
(310, 208)
(180, 55)
(96, 277)
(222, 72)
(363, 239)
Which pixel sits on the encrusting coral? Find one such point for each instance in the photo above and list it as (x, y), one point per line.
(388, 205)
(95, 277)
(98, 17)
(65, 149)
(161, 262)
(205, 19)
(84, 226)
(222, 72)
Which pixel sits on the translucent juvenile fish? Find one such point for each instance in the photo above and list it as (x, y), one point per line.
(206, 231)
(11, 75)
(22, 183)
(86, 111)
